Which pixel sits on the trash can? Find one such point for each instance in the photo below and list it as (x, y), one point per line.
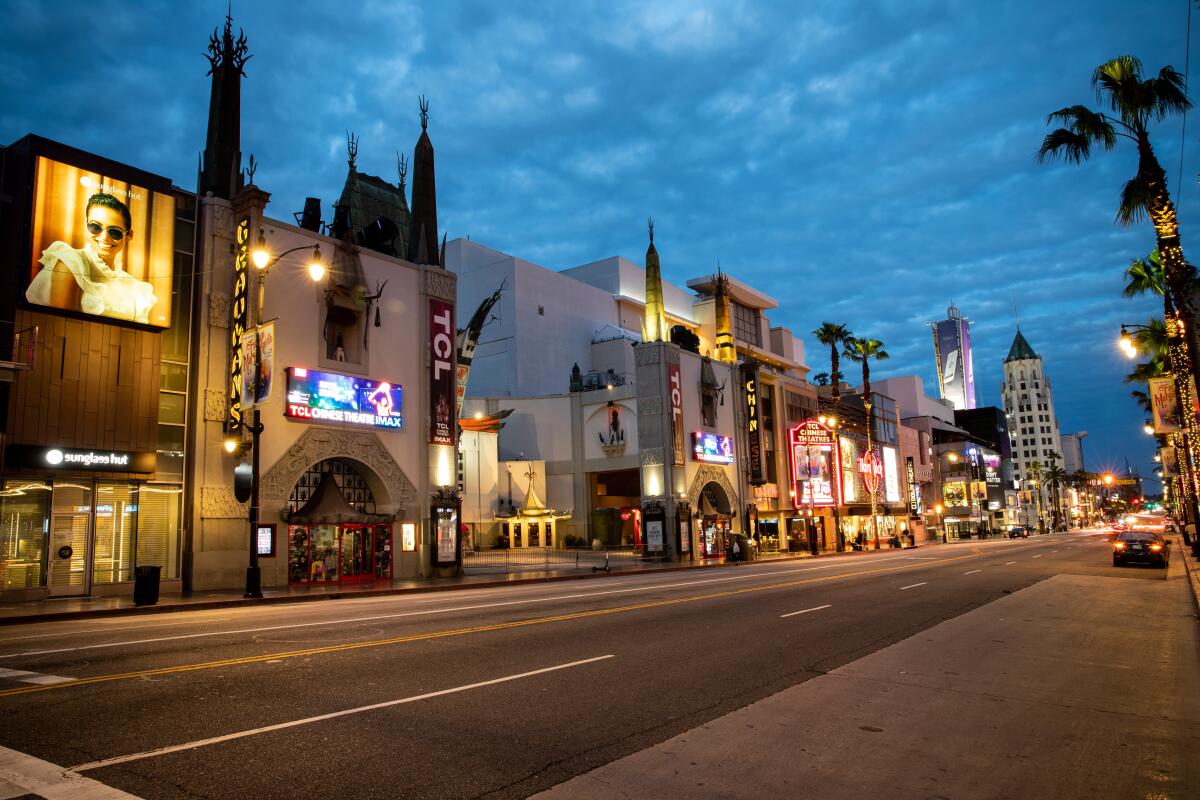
(145, 585)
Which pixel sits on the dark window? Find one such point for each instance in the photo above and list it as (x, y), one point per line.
(746, 324)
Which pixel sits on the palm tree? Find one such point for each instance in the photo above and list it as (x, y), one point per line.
(833, 335)
(1145, 276)
(1135, 104)
(821, 379)
(862, 351)
(1055, 477)
(1035, 475)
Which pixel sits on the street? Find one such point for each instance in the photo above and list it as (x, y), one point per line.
(1049, 673)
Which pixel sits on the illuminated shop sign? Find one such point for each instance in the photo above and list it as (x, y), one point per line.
(814, 459)
(891, 475)
(871, 469)
(712, 447)
(754, 446)
(68, 458)
(239, 317)
(914, 489)
(675, 385)
(348, 399)
(443, 425)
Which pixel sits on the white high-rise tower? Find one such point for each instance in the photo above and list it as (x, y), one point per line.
(1029, 403)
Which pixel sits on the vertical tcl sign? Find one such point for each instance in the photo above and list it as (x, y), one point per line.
(675, 389)
(441, 373)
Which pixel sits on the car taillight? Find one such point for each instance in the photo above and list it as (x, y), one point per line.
(1156, 547)
(1118, 545)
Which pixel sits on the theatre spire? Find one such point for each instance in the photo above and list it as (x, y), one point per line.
(221, 170)
(654, 326)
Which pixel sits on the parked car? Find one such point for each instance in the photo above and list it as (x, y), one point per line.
(1142, 547)
(1018, 532)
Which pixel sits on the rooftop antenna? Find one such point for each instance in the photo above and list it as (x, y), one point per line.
(1016, 318)
(251, 170)
(351, 149)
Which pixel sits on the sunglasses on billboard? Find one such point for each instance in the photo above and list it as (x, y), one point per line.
(114, 233)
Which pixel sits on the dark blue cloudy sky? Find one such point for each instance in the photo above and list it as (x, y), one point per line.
(864, 162)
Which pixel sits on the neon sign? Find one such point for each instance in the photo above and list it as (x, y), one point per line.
(871, 469)
(349, 399)
(712, 447)
(814, 458)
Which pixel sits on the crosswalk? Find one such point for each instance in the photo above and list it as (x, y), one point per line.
(25, 676)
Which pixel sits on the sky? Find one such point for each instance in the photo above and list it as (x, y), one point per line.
(862, 162)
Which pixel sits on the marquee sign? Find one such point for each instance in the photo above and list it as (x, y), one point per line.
(332, 397)
(239, 309)
(814, 457)
(712, 448)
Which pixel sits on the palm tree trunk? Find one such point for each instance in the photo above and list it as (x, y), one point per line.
(835, 376)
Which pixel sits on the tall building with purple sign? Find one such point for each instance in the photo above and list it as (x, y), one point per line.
(955, 364)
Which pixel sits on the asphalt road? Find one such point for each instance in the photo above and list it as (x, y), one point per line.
(482, 693)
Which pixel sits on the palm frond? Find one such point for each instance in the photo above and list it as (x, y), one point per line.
(1167, 93)
(1083, 128)
(1118, 81)
(1145, 276)
(1135, 201)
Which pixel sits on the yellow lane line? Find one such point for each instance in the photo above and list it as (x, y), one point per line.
(419, 637)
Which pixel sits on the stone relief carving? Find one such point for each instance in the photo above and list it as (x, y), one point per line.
(318, 444)
(650, 455)
(440, 284)
(710, 474)
(650, 406)
(644, 355)
(214, 405)
(218, 502)
(672, 355)
(218, 310)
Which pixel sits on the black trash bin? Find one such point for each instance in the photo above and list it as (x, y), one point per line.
(145, 585)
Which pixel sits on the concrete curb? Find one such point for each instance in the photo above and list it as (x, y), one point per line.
(1193, 571)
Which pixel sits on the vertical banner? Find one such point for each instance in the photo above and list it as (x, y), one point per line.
(754, 448)
(239, 311)
(249, 362)
(266, 362)
(1170, 462)
(675, 388)
(1164, 405)
(654, 535)
(442, 378)
(914, 489)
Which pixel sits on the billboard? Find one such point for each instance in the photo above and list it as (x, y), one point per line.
(891, 475)
(712, 447)
(956, 371)
(349, 399)
(443, 405)
(814, 459)
(101, 245)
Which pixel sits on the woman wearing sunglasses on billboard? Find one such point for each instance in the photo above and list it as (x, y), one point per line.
(107, 289)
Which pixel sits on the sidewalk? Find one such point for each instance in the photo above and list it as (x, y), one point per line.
(1076, 686)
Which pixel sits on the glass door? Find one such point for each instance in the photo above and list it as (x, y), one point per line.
(383, 551)
(357, 548)
(69, 554)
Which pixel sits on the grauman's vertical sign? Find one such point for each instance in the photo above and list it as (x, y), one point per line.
(239, 309)
(442, 426)
(753, 419)
(675, 389)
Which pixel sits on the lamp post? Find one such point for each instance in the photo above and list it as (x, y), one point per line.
(262, 259)
(939, 508)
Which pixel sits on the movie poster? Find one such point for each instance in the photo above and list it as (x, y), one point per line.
(1164, 405)
(102, 246)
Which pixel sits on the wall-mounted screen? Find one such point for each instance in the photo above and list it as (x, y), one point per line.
(712, 447)
(102, 246)
(333, 397)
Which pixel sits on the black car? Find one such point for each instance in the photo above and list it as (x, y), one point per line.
(1018, 532)
(1140, 547)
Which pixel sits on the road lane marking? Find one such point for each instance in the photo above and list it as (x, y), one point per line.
(1039, 555)
(499, 626)
(108, 762)
(421, 612)
(972, 572)
(1009, 563)
(26, 676)
(92, 630)
(805, 611)
(913, 585)
(43, 779)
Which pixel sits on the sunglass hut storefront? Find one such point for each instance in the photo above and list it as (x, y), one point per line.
(96, 269)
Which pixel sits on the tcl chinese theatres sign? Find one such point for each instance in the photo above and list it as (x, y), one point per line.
(675, 388)
(442, 425)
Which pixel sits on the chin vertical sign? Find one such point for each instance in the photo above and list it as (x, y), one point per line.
(754, 451)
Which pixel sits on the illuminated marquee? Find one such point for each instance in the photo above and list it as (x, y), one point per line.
(239, 308)
(712, 447)
(814, 458)
(871, 469)
(754, 447)
(346, 399)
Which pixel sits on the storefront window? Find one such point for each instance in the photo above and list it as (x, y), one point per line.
(298, 571)
(534, 534)
(158, 527)
(116, 521)
(324, 567)
(768, 535)
(24, 515)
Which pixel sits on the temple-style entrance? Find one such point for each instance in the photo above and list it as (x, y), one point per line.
(332, 536)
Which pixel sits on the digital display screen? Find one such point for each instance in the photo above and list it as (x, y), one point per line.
(348, 399)
(712, 447)
(102, 246)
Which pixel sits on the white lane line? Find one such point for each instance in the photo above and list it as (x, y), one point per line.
(972, 572)
(26, 676)
(1009, 563)
(94, 629)
(805, 611)
(1039, 555)
(43, 779)
(108, 762)
(913, 585)
(422, 612)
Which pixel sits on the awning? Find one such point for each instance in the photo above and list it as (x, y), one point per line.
(327, 506)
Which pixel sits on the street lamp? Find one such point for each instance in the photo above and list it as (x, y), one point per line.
(262, 259)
